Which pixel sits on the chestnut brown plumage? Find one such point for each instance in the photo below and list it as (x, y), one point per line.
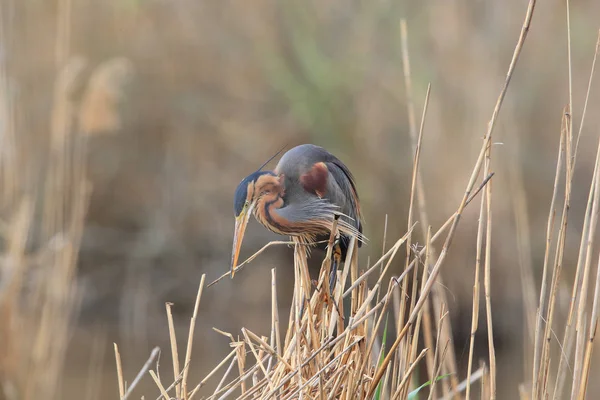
(300, 198)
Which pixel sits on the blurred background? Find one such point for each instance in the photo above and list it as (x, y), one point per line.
(125, 126)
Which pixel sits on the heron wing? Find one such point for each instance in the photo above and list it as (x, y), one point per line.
(332, 181)
(345, 183)
(313, 175)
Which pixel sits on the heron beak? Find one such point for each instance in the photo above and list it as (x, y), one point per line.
(241, 221)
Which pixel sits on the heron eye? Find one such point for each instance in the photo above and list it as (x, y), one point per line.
(246, 204)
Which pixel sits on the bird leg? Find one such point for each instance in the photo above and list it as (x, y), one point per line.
(336, 259)
(333, 246)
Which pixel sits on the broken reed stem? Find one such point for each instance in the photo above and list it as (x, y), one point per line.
(174, 353)
(119, 372)
(188, 352)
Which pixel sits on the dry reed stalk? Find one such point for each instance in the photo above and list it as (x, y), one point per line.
(412, 353)
(120, 378)
(174, 353)
(522, 223)
(426, 315)
(437, 364)
(568, 335)
(484, 379)
(383, 243)
(476, 294)
(177, 381)
(415, 340)
(425, 292)
(592, 219)
(405, 282)
(339, 361)
(251, 258)
(188, 352)
(592, 334)
(571, 155)
(538, 343)
(141, 374)
(470, 186)
(558, 258)
(579, 353)
(428, 330)
(275, 334)
(323, 351)
(156, 379)
(439, 296)
(475, 376)
(487, 277)
(403, 383)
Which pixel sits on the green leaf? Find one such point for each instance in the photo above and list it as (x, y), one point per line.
(413, 395)
(382, 357)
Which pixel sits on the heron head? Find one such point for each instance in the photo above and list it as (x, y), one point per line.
(246, 196)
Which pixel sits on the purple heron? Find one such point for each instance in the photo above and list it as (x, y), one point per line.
(308, 188)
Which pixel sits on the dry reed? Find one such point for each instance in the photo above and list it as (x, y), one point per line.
(329, 355)
(336, 343)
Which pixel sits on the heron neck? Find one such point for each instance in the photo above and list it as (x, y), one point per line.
(265, 212)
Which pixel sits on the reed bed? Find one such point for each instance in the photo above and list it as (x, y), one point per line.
(372, 334)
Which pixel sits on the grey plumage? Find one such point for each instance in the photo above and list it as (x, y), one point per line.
(340, 194)
(300, 198)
